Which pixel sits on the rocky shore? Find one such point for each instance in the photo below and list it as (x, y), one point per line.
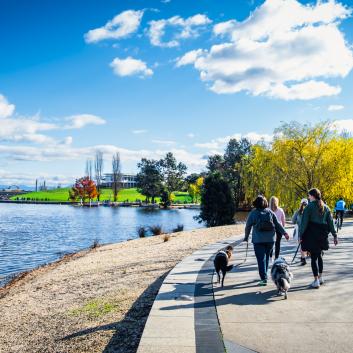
(95, 301)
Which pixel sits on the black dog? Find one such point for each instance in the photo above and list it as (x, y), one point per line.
(221, 263)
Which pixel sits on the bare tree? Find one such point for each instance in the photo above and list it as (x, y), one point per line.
(98, 168)
(116, 184)
(89, 168)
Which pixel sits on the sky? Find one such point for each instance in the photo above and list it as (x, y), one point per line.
(146, 77)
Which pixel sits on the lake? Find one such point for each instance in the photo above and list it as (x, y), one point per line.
(33, 235)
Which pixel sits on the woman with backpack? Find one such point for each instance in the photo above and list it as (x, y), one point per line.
(297, 220)
(315, 227)
(281, 217)
(264, 224)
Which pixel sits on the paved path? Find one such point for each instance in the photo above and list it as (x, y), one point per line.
(189, 315)
(311, 320)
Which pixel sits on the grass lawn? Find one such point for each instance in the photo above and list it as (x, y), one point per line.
(130, 195)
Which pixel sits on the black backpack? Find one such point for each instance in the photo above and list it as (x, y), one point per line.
(265, 221)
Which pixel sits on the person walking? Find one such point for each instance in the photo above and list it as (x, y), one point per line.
(281, 217)
(263, 224)
(316, 224)
(297, 219)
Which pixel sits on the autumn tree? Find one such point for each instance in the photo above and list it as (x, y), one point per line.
(84, 189)
(300, 157)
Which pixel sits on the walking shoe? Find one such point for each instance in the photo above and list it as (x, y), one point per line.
(263, 283)
(315, 284)
(321, 280)
(303, 261)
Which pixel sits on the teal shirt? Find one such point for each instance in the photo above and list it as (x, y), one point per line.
(312, 214)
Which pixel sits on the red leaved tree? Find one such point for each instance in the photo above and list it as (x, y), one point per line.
(84, 188)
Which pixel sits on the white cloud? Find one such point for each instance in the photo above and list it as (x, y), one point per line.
(120, 26)
(333, 108)
(130, 67)
(81, 120)
(164, 142)
(189, 58)
(284, 50)
(343, 125)
(6, 109)
(190, 135)
(218, 144)
(187, 28)
(139, 132)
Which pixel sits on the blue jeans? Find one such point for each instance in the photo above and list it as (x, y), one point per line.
(262, 252)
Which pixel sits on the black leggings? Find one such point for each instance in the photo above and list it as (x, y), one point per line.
(277, 246)
(317, 264)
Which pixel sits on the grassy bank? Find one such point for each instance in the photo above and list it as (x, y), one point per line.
(62, 194)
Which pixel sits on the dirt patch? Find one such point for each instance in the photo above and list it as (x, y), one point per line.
(97, 301)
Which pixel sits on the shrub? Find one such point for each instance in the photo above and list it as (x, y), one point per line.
(141, 231)
(166, 237)
(156, 230)
(95, 244)
(178, 228)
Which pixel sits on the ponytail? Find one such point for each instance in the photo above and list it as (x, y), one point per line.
(317, 195)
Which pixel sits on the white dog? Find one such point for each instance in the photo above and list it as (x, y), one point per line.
(281, 276)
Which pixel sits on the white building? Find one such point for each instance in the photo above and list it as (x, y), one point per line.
(127, 181)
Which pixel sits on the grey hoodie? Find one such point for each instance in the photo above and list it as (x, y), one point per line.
(259, 236)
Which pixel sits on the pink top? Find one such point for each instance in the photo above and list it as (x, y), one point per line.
(280, 216)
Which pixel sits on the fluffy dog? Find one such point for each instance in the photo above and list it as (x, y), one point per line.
(281, 276)
(221, 263)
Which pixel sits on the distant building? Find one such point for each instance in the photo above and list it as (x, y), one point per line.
(127, 181)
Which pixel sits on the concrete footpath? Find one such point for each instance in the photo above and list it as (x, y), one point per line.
(254, 318)
(192, 314)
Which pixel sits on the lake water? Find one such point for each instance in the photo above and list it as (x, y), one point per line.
(33, 235)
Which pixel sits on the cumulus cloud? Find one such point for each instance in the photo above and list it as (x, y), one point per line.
(333, 108)
(284, 50)
(80, 121)
(218, 144)
(130, 67)
(119, 27)
(187, 28)
(190, 57)
(343, 126)
(6, 109)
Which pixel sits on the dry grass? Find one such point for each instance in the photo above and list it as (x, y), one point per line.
(96, 302)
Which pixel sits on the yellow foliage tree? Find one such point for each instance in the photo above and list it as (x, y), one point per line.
(299, 158)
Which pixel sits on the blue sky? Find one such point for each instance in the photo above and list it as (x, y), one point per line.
(162, 75)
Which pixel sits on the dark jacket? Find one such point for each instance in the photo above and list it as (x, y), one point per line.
(315, 228)
(262, 236)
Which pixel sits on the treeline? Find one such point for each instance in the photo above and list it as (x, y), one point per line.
(300, 157)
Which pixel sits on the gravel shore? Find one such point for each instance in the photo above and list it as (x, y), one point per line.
(95, 301)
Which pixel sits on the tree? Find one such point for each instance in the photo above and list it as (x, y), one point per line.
(149, 179)
(173, 172)
(84, 188)
(215, 163)
(116, 175)
(300, 157)
(217, 203)
(89, 169)
(98, 168)
(235, 157)
(195, 189)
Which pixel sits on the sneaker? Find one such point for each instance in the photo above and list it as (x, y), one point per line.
(321, 280)
(315, 284)
(263, 283)
(303, 261)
